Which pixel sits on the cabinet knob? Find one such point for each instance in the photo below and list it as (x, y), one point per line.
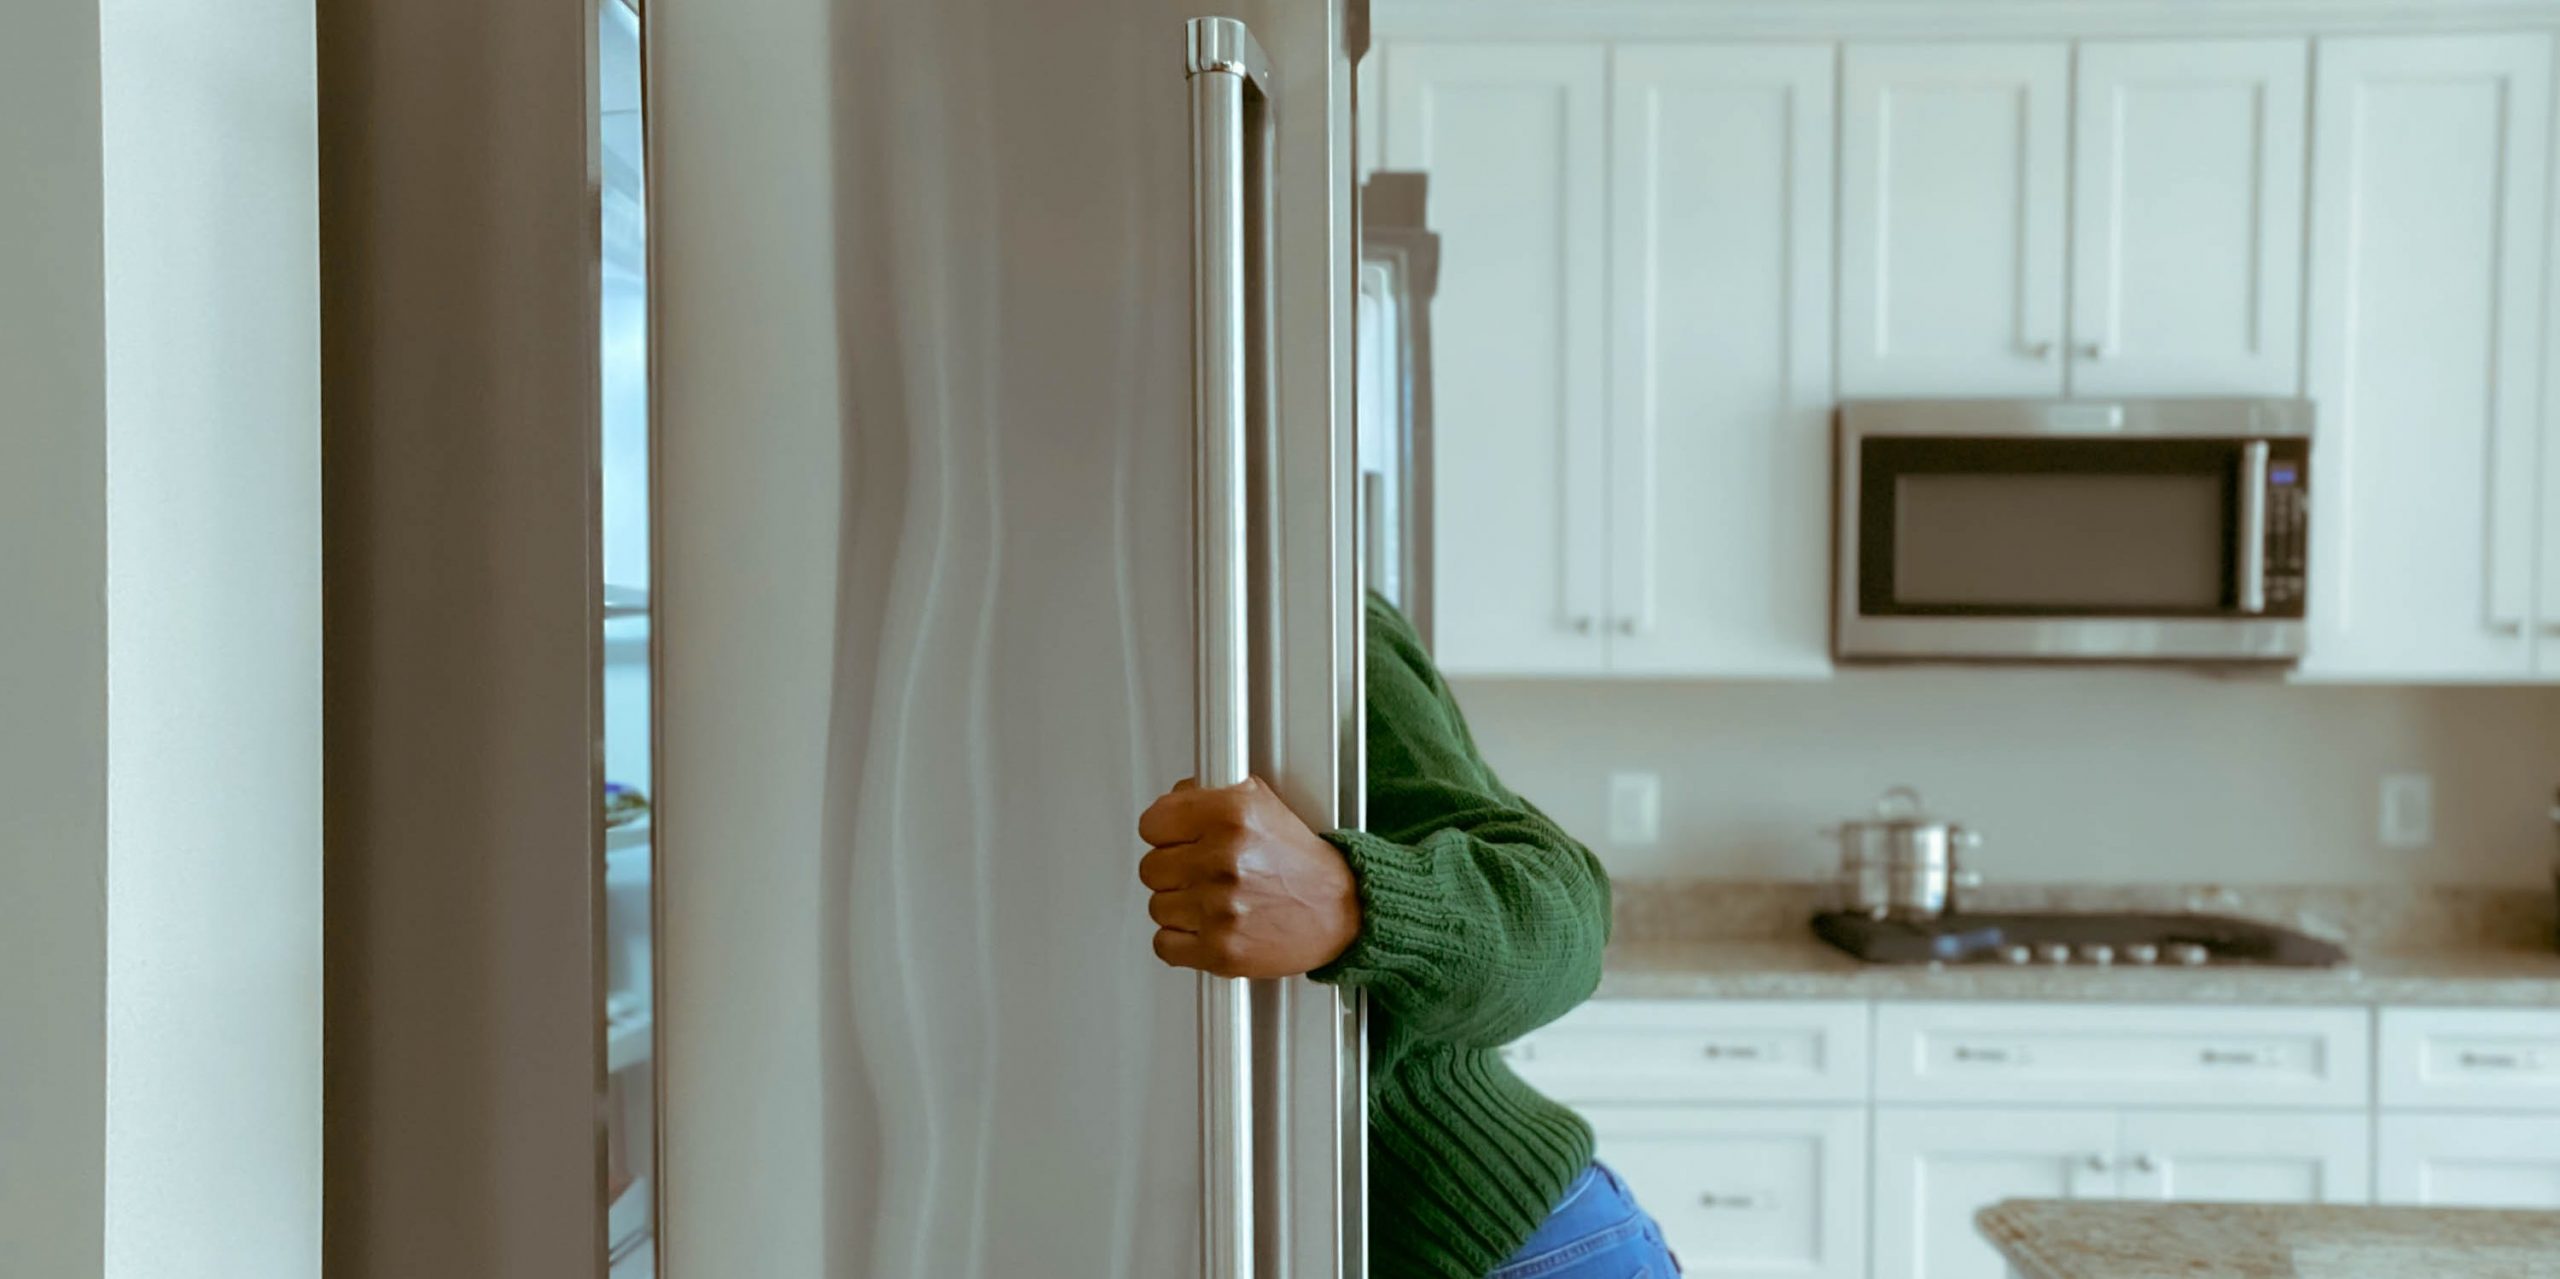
(2094, 1163)
(2039, 350)
(2143, 1164)
(1581, 625)
(1626, 626)
(2093, 350)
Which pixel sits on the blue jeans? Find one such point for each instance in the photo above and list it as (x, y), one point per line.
(1598, 1232)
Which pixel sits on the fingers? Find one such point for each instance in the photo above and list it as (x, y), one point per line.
(1188, 812)
(1178, 912)
(1196, 909)
(1213, 956)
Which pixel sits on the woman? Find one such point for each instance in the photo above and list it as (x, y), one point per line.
(1470, 920)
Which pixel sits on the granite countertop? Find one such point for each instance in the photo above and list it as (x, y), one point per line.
(1729, 939)
(2090, 1239)
(1806, 968)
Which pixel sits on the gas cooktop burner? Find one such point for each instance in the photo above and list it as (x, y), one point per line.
(2138, 940)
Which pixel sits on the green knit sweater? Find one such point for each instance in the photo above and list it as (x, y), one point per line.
(1481, 920)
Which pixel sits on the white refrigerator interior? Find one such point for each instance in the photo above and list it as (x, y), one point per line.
(923, 590)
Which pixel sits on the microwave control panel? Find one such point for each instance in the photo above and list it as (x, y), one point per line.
(2288, 527)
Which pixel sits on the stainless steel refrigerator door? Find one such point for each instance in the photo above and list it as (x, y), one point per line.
(924, 298)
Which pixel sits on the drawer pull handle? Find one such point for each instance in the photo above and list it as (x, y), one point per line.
(2474, 1059)
(1734, 1052)
(1985, 1056)
(1734, 1202)
(2232, 1057)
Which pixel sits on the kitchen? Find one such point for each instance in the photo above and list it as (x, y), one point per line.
(2025, 534)
(1674, 240)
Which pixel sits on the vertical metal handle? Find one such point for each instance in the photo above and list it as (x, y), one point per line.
(1225, 69)
(2252, 531)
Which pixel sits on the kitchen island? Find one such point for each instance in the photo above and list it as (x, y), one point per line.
(2091, 1239)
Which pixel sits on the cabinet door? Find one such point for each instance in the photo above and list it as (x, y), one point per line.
(1934, 1169)
(2187, 218)
(2428, 163)
(2246, 1156)
(1748, 1192)
(2470, 1161)
(1720, 181)
(1951, 219)
(1514, 139)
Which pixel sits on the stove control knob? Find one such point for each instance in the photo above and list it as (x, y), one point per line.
(2054, 952)
(2142, 952)
(2189, 954)
(2017, 953)
(2096, 953)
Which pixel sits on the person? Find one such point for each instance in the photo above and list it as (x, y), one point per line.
(1469, 919)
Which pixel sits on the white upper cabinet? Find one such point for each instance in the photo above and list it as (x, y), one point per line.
(2187, 218)
(1514, 137)
(1952, 190)
(1720, 353)
(2429, 163)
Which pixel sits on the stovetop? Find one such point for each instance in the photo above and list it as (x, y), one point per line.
(2164, 940)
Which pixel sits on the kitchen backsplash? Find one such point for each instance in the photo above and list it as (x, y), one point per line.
(2072, 776)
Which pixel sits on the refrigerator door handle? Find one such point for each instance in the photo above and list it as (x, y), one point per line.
(1229, 78)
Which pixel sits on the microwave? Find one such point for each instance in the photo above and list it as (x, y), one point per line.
(2073, 530)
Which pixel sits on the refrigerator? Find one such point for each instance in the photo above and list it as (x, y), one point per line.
(1006, 473)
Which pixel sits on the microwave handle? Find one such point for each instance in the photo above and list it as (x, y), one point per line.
(2252, 530)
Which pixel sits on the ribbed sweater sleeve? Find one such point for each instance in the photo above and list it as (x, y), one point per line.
(1481, 920)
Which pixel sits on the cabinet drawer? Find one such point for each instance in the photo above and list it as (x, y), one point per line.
(1624, 1050)
(1747, 1192)
(2471, 1058)
(2123, 1054)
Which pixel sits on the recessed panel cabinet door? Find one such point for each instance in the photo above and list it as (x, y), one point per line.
(1514, 138)
(2187, 218)
(2470, 1161)
(1720, 386)
(2429, 160)
(1952, 191)
(2247, 1156)
(1748, 1192)
(1936, 1168)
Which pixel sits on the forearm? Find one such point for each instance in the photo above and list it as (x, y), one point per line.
(1480, 931)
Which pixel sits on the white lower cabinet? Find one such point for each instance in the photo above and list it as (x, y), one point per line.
(2470, 1160)
(1749, 1192)
(1935, 1168)
(2246, 1157)
(1844, 1140)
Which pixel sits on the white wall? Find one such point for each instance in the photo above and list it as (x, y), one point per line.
(53, 620)
(213, 641)
(2077, 775)
(159, 703)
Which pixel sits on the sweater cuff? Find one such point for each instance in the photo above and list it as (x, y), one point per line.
(1409, 936)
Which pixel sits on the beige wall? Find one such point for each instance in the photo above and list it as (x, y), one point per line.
(2078, 775)
(53, 650)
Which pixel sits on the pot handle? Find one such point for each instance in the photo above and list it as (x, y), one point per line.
(1901, 801)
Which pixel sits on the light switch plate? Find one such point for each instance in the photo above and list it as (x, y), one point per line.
(1635, 809)
(2408, 810)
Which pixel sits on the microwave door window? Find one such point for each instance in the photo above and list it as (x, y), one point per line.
(2060, 542)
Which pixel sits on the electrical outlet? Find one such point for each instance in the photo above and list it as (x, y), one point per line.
(2408, 810)
(1635, 809)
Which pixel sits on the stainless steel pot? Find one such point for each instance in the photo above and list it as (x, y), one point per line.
(1903, 863)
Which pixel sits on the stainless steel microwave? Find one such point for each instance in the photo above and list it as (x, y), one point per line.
(2073, 530)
